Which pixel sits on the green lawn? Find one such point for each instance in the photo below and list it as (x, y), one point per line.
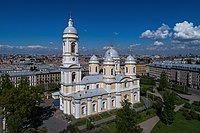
(180, 125)
(180, 101)
(111, 127)
(93, 118)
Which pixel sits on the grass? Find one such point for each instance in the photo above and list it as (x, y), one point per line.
(147, 114)
(180, 125)
(104, 128)
(111, 126)
(94, 118)
(180, 101)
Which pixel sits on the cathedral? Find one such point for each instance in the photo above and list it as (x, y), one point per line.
(96, 92)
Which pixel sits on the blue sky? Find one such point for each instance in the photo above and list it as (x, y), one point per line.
(38, 24)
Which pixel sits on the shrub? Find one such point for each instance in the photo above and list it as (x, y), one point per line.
(158, 104)
(194, 115)
(187, 105)
(89, 124)
(188, 116)
(197, 103)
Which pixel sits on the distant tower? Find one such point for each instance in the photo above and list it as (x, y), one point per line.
(130, 68)
(93, 65)
(108, 69)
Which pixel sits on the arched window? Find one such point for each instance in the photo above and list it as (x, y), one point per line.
(96, 69)
(112, 71)
(104, 71)
(135, 97)
(94, 107)
(90, 69)
(126, 97)
(104, 104)
(125, 84)
(88, 87)
(113, 103)
(133, 69)
(83, 110)
(97, 86)
(73, 77)
(73, 47)
(126, 69)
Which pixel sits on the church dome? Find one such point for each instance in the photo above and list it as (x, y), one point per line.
(108, 58)
(70, 29)
(94, 58)
(112, 52)
(130, 58)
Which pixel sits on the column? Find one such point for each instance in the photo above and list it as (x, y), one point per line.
(118, 86)
(61, 106)
(77, 109)
(109, 101)
(131, 84)
(70, 89)
(65, 79)
(69, 78)
(99, 103)
(93, 86)
(132, 97)
(138, 83)
(138, 94)
(108, 87)
(68, 107)
(65, 107)
(89, 106)
(61, 77)
(118, 100)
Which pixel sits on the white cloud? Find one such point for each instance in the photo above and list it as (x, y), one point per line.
(35, 47)
(106, 47)
(157, 43)
(51, 42)
(186, 31)
(23, 47)
(161, 33)
(135, 45)
(116, 33)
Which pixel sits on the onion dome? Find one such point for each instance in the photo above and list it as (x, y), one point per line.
(112, 52)
(70, 29)
(93, 58)
(130, 59)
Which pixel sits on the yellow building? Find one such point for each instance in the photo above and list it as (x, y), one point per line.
(95, 93)
(141, 69)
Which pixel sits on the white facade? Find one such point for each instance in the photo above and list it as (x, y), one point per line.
(95, 93)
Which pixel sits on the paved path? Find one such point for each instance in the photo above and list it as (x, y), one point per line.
(194, 92)
(190, 97)
(56, 123)
(149, 124)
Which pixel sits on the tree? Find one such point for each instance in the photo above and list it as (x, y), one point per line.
(5, 83)
(19, 103)
(158, 104)
(169, 106)
(126, 119)
(163, 81)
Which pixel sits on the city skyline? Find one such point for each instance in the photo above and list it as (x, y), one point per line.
(37, 26)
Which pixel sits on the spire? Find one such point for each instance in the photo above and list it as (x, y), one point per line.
(70, 22)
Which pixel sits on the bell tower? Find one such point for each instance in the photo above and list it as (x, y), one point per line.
(70, 68)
